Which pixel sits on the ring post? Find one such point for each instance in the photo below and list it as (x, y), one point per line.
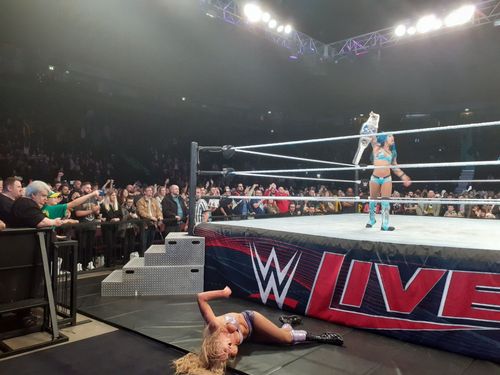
(192, 186)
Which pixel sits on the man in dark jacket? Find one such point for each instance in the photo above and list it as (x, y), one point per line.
(174, 210)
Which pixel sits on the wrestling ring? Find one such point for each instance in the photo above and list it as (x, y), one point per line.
(434, 281)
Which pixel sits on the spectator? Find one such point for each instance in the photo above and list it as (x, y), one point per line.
(86, 213)
(160, 195)
(174, 210)
(429, 209)
(226, 204)
(450, 212)
(27, 211)
(271, 207)
(292, 210)
(202, 212)
(149, 209)
(256, 206)
(12, 190)
(348, 207)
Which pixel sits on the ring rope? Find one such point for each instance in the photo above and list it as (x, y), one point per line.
(445, 181)
(369, 167)
(355, 136)
(293, 157)
(300, 178)
(285, 177)
(488, 202)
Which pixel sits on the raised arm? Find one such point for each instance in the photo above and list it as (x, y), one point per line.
(79, 201)
(205, 309)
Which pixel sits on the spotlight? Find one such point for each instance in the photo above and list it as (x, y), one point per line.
(269, 112)
(460, 16)
(252, 12)
(280, 28)
(266, 17)
(51, 67)
(411, 30)
(427, 23)
(183, 98)
(288, 29)
(400, 30)
(272, 24)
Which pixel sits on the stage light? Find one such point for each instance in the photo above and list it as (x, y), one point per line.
(266, 17)
(183, 98)
(272, 24)
(288, 29)
(427, 23)
(269, 112)
(252, 12)
(280, 28)
(400, 30)
(51, 67)
(411, 30)
(460, 16)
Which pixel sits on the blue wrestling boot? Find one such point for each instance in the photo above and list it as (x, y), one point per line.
(371, 223)
(385, 217)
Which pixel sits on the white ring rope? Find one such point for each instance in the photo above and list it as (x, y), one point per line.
(355, 136)
(293, 158)
(445, 181)
(285, 177)
(299, 178)
(488, 202)
(368, 167)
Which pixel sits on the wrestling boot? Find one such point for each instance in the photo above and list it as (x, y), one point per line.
(372, 221)
(293, 320)
(385, 217)
(326, 338)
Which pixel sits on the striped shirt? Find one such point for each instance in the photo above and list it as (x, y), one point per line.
(201, 207)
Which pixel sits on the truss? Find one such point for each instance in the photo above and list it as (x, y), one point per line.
(487, 11)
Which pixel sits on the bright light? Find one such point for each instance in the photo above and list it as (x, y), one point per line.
(400, 30)
(272, 24)
(269, 112)
(252, 12)
(460, 16)
(288, 29)
(411, 30)
(210, 15)
(183, 98)
(280, 28)
(427, 23)
(266, 17)
(51, 67)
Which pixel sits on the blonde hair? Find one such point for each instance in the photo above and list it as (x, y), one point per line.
(209, 361)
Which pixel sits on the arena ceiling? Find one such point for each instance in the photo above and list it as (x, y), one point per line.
(171, 48)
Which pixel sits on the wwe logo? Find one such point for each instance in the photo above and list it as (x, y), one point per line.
(273, 281)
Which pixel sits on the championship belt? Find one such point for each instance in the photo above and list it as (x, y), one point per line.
(369, 128)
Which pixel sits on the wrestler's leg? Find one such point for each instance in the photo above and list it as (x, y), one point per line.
(386, 192)
(374, 194)
(266, 331)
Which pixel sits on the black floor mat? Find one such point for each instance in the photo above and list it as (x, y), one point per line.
(118, 352)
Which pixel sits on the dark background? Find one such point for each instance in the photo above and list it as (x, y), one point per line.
(129, 63)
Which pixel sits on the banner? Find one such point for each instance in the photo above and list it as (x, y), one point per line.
(443, 297)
